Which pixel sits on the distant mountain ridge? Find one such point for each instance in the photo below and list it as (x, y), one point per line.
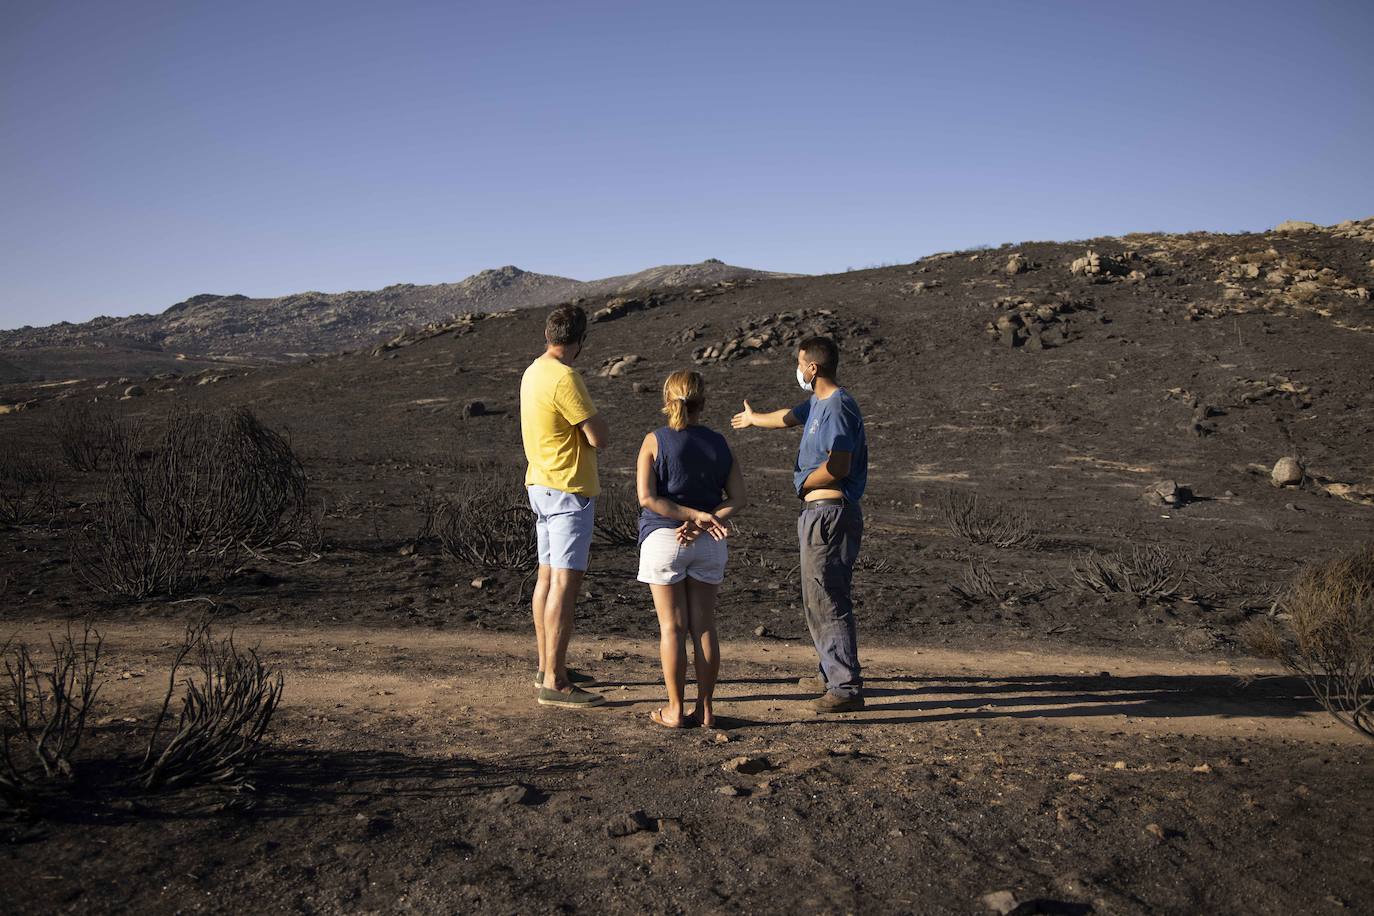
(237, 326)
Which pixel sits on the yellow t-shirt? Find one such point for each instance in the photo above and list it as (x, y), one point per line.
(553, 400)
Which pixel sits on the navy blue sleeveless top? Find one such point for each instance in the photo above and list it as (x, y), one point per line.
(691, 469)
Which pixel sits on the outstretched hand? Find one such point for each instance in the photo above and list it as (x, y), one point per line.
(744, 419)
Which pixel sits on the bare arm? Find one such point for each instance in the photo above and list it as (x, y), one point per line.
(828, 475)
(597, 431)
(735, 497)
(777, 419)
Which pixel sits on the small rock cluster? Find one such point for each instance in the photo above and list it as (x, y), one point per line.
(1359, 229)
(1098, 267)
(1277, 387)
(18, 406)
(1268, 280)
(617, 366)
(1023, 323)
(785, 330)
(1019, 264)
(1201, 423)
(621, 306)
(459, 324)
(916, 287)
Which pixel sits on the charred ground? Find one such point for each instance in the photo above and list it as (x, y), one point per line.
(1179, 371)
(411, 771)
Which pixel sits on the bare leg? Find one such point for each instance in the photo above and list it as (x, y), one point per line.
(558, 625)
(538, 602)
(701, 609)
(670, 601)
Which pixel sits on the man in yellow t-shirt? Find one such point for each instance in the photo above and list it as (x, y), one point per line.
(562, 432)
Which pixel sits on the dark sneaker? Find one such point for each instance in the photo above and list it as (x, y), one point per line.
(575, 698)
(574, 677)
(833, 703)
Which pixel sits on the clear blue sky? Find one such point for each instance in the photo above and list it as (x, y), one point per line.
(153, 150)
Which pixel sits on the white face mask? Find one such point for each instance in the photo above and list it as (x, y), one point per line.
(801, 380)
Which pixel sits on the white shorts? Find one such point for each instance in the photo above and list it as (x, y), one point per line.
(663, 561)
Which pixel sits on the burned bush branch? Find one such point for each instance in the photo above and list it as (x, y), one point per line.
(1148, 572)
(43, 707)
(976, 583)
(226, 709)
(488, 522)
(617, 516)
(1329, 637)
(206, 491)
(86, 438)
(28, 489)
(986, 524)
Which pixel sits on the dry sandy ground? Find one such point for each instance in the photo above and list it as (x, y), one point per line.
(411, 771)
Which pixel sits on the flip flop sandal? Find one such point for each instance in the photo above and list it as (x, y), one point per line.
(657, 717)
(695, 721)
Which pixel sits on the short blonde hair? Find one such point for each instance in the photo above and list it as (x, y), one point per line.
(684, 393)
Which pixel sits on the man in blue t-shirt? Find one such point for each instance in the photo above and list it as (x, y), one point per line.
(831, 471)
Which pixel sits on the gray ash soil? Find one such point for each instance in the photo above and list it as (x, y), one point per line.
(1194, 371)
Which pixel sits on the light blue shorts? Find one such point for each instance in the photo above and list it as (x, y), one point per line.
(563, 525)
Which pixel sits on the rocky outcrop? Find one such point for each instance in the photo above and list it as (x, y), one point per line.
(784, 331)
(1034, 325)
(1098, 267)
(210, 324)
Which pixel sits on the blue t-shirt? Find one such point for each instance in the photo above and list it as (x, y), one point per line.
(691, 470)
(832, 425)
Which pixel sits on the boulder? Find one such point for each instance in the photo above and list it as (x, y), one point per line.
(1287, 472)
(1000, 902)
(1167, 493)
(134, 391)
(1093, 264)
(1295, 225)
(1017, 264)
(474, 409)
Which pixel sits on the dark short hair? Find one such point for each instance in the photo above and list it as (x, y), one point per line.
(824, 352)
(567, 324)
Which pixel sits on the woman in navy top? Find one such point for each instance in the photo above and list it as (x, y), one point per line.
(689, 484)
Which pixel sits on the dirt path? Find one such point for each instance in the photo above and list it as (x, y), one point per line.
(443, 676)
(410, 770)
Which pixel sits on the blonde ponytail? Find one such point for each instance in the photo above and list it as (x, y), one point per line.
(684, 393)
